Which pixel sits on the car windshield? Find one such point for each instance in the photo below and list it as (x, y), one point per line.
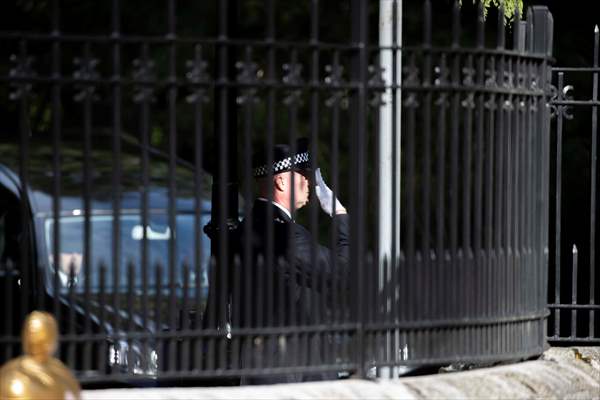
(158, 235)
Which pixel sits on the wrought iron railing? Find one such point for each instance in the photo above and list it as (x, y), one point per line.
(104, 175)
(573, 278)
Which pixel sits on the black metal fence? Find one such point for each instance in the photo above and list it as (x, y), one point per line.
(112, 166)
(572, 297)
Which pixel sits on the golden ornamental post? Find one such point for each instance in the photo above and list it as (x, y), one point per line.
(37, 374)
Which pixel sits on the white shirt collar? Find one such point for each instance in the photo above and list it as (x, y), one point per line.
(282, 208)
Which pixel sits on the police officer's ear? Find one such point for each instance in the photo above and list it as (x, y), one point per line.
(279, 182)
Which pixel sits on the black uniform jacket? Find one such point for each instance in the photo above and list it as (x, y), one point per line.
(295, 284)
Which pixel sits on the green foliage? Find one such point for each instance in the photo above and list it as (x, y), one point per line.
(509, 7)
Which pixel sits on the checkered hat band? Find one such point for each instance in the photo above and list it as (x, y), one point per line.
(283, 165)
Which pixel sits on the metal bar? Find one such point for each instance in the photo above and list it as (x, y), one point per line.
(592, 263)
(576, 69)
(144, 100)
(490, 106)
(441, 193)
(410, 104)
(87, 191)
(271, 76)
(319, 311)
(499, 268)
(394, 173)
(426, 188)
(158, 268)
(56, 157)
(591, 307)
(130, 326)
(299, 343)
(247, 251)
(235, 313)
(574, 286)
(467, 161)
(70, 328)
(359, 35)
(102, 345)
(199, 268)
(258, 348)
(454, 191)
(558, 210)
(338, 296)
(508, 194)
(24, 210)
(184, 354)
(211, 312)
(172, 189)
(116, 161)
(281, 267)
(479, 165)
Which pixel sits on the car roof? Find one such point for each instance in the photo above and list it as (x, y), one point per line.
(40, 178)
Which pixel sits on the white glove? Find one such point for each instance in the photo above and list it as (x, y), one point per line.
(326, 197)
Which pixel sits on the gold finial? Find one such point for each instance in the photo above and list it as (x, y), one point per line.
(37, 374)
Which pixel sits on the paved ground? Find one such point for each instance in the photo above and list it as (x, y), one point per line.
(561, 373)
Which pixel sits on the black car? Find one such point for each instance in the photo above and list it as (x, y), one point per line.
(84, 297)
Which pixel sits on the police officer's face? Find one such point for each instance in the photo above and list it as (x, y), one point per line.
(301, 190)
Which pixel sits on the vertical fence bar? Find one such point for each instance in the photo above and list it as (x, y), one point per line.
(269, 257)
(248, 101)
(358, 106)
(410, 104)
(442, 104)
(235, 317)
(592, 263)
(490, 253)
(158, 307)
(9, 348)
(24, 137)
(70, 325)
(172, 203)
(87, 189)
(574, 293)
(339, 304)
(271, 110)
(557, 270)
(479, 158)
(530, 118)
(211, 311)
(130, 323)
(292, 77)
(426, 203)
(116, 160)
(184, 355)
(198, 99)
(102, 346)
(319, 311)
(145, 122)
(499, 286)
(395, 169)
(56, 155)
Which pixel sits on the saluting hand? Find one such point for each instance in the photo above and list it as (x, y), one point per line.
(326, 197)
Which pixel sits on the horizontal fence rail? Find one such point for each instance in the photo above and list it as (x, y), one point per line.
(130, 209)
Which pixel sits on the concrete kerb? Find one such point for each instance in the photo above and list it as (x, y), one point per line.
(561, 373)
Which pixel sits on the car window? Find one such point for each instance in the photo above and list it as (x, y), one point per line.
(158, 235)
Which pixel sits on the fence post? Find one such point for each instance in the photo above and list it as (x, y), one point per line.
(359, 63)
(542, 31)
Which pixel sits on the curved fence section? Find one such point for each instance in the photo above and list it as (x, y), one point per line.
(468, 279)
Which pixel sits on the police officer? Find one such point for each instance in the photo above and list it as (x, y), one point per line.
(293, 251)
